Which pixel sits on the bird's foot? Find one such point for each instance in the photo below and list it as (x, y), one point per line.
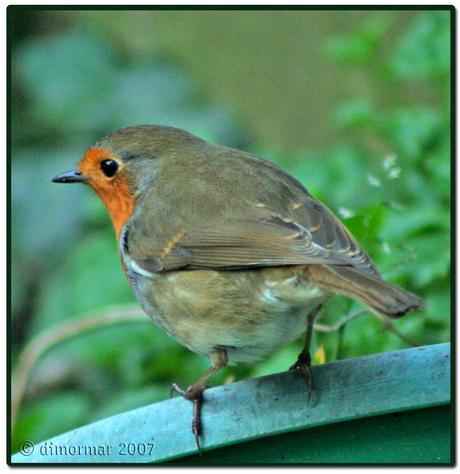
(194, 393)
(304, 363)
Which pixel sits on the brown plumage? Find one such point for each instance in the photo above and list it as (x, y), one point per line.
(224, 250)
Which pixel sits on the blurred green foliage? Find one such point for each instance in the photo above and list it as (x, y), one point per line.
(388, 178)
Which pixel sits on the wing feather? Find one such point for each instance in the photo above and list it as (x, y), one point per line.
(309, 234)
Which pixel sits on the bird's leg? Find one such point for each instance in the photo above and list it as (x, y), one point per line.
(194, 392)
(304, 360)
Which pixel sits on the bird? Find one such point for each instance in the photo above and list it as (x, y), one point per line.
(226, 252)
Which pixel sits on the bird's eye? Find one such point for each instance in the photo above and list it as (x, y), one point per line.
(109, 168)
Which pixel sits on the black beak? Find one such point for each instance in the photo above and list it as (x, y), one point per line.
(73, 176)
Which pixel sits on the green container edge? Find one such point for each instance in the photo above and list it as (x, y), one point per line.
(408, 380)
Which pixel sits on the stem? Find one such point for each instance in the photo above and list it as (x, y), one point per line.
(57, 334)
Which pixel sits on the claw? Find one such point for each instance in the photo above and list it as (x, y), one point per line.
(195, 395)
(304, 360)
(303, 363)
(196, 423)
(194, 392)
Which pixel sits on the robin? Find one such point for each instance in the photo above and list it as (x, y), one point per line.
(224, 251)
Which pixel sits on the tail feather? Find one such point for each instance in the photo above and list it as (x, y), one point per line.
(372, 290)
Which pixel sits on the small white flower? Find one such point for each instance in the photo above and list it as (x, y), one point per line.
(386, 248)
(373, 181)
(346, 213)
(389, 162)
(394, 173)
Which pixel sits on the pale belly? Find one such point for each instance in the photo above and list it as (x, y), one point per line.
(249, 313)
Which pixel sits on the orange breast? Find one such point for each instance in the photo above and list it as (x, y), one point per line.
(115, 192)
